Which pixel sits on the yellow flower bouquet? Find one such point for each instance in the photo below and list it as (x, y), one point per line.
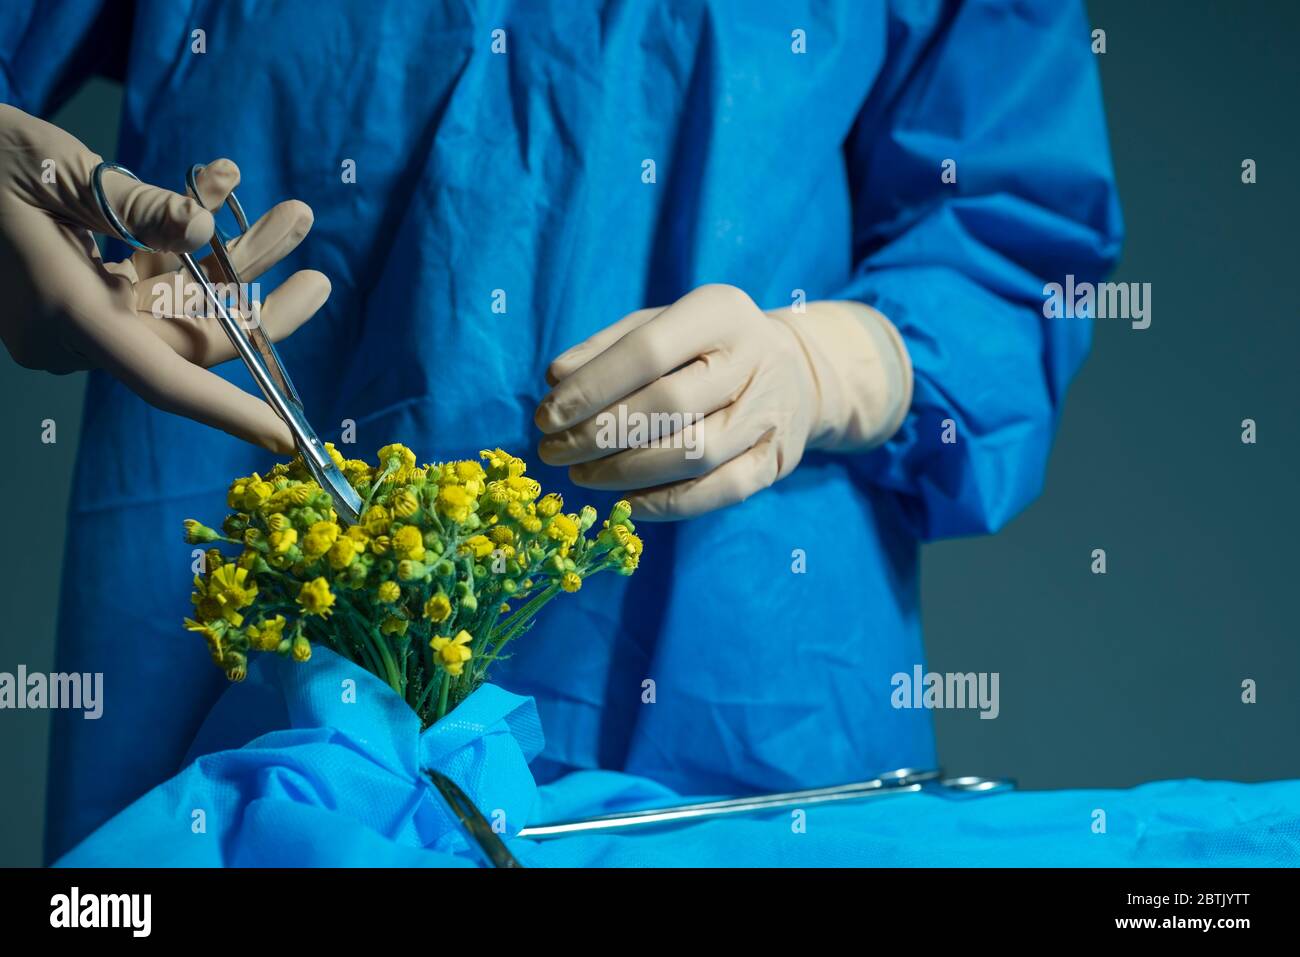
(449, 563)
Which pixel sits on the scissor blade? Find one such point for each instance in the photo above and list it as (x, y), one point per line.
(253, 329)
(471, 819)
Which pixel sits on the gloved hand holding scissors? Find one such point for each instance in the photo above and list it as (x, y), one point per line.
(67, 309)
(834, 377)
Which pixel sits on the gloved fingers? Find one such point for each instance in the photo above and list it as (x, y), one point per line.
(215, 182)
(659, 411)
(275, 234)
(201, 340)
(100, 324)
(267, 241)
(573, 358)
(154, 371)
(750, 472)
(157, 217)
(54, 267)
(696, 450)
(687, 329)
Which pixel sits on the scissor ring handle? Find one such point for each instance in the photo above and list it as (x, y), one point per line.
(105, 207)
(232, 203)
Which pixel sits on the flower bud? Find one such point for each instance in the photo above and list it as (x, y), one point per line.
(235, 524)
(408, 569)
(236, 665)
(404, 504)
(196, 533)
(621, 512)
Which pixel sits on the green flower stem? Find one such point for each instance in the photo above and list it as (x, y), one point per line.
(392, 466)
(378, 643)
(444, 688)
(515, 623)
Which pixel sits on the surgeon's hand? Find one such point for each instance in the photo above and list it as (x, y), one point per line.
(65, 309)
(767, 386)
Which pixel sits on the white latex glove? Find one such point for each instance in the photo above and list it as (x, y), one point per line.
(65, 309)
(834, 377)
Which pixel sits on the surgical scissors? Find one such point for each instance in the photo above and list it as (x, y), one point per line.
(900, 781)
(250, 342)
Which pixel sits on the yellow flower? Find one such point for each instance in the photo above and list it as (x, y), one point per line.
(455, 503)
(226, 590)
(550, 504)
(502, 535)
(319, 539)
(301, 648)
(438, 608)
(342, 553)
(501, 463)
(523, 489)
(283, 540)
(404, 464)
(316, 598)
(376, 520)
(266, 635)
(408, 542)
(633, 545)
(480, 546)
(621, 512)
(571, 582)
(452, 653)
(248, 494)
(356, 471)
(389, 592)
(563, 529)
(470, 473)
(212, 633)
(293, 497)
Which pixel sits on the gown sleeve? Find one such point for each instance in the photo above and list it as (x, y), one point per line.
(1009, 93)
(48, 48)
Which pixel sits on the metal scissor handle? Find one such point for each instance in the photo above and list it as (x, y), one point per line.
(250, 342)
(220, 250)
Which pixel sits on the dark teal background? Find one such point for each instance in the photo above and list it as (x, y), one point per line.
(1105, 680)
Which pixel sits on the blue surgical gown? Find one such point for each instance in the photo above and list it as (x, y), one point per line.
(941, 161)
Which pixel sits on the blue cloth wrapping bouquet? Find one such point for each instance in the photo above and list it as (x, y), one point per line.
(321, 764)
